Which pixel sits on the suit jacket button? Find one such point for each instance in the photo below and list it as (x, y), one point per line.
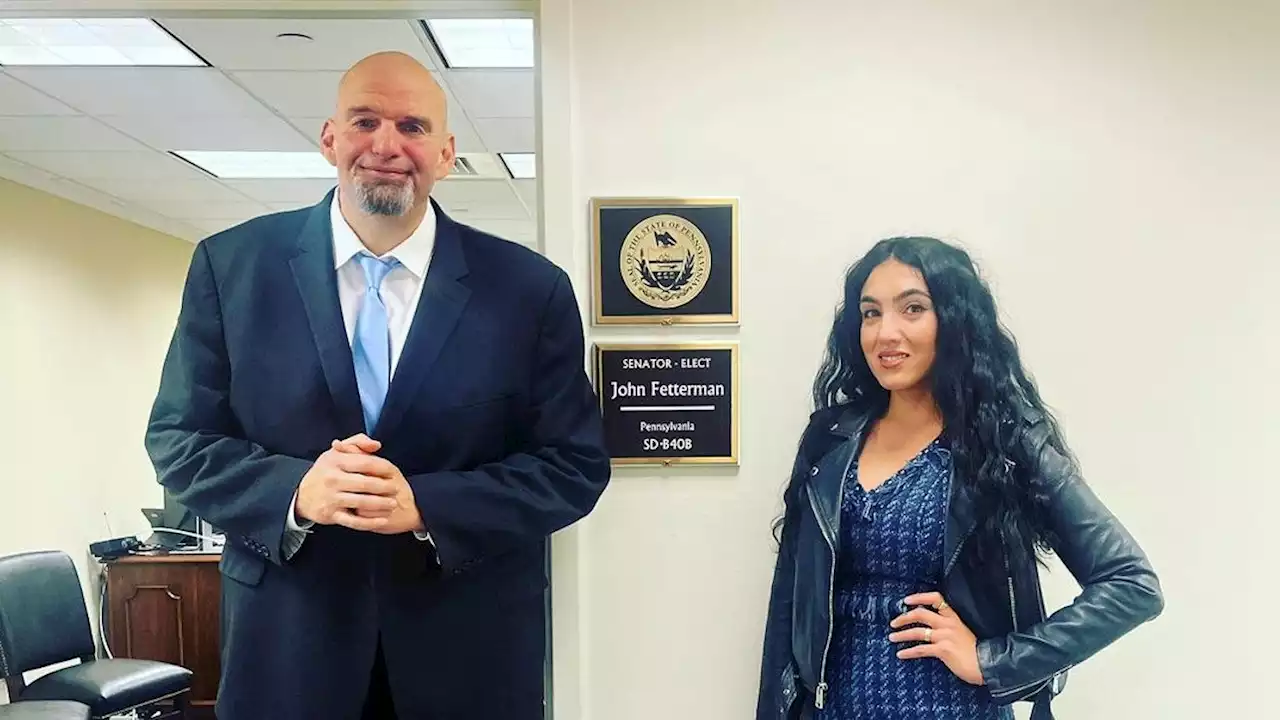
(813, 470)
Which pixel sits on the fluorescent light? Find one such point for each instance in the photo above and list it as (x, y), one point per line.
(484, 42)
(477, 166)
(242, 165)
(522, 166)
(98, 41)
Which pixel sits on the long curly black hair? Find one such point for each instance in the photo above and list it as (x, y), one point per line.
(982, 390)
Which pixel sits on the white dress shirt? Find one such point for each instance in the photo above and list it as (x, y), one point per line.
(401, 290)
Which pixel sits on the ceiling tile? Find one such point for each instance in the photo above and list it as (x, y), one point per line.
(143, 164)
(22, 172)
(17, 98)
(494, 93)
(507, 134)
(465, 138)
(309, 127)
(259, 130)
(466, 192)
(98, 200)
(169, 92)
(158, 192)
(244, 44)
(294, 94)
(60, 133)
(287, 192)
(528, 190)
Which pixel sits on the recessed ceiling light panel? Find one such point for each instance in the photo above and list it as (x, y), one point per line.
(522, 166)
(120, 42)
(484, 42)
(258, 165)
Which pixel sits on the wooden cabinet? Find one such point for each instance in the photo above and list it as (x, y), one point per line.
(166, 608)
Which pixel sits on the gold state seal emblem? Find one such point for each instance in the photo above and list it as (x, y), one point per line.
(665, 261)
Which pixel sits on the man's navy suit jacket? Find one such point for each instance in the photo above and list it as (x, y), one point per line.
(490, 416)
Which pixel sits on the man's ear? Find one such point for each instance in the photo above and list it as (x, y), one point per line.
(448, 154)
(326, 143)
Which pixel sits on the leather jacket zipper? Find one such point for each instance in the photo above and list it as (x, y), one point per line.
(951, 561)
(820, 696)
(956, 555)
(1013, 613)
(1013, 606)
(1008, 573)
(1013, 601)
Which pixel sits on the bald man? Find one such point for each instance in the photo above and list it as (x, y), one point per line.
(387, 413)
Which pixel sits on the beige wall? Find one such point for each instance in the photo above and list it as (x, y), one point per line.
(87, 304)
(1113, 166)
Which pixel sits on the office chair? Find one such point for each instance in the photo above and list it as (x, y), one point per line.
(45, 710)
(43, 622)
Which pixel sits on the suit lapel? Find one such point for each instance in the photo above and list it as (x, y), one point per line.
(317, 282)
(441, 305)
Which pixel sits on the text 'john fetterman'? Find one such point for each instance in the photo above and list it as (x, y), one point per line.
(657, 388)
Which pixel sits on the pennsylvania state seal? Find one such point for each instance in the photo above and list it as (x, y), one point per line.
(665, 261)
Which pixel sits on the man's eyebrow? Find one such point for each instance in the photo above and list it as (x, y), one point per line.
(366, 110)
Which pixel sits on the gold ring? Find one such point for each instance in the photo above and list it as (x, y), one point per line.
(928, 634)
(943, 606)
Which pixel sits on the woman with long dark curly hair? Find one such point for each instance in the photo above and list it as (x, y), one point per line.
(929, 485)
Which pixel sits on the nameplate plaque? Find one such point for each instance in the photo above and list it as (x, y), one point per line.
(665, 404)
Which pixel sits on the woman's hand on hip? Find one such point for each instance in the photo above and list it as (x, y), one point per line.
(943, 636)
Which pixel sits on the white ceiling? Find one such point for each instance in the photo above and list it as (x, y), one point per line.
(101, 136)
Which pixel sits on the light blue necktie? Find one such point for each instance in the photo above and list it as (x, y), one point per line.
(371, 346)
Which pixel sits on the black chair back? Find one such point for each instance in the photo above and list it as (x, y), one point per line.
(43, 619)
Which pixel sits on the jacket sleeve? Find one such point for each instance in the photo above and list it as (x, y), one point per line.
(496, 507)
(194, 440)
(777, 655)
(1120, 590)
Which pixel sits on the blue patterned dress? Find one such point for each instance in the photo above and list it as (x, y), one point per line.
(891, 547)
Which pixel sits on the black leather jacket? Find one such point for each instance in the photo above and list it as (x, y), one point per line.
(1022, 654)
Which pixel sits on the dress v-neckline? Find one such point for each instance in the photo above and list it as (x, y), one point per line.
(894, 478)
